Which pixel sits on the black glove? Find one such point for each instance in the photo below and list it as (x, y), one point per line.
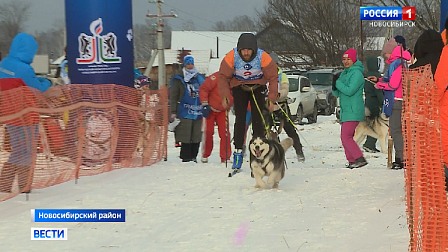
(335, 78)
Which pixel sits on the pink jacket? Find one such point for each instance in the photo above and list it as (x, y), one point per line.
(395, 79)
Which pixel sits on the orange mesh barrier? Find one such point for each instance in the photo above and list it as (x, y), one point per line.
(427, 207)
(81, 130)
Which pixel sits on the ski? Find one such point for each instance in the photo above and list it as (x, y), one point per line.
(234, 172)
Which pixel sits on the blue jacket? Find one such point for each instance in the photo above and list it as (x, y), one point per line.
(18, 63)
(190, 106)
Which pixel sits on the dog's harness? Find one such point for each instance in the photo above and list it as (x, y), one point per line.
(264, 167)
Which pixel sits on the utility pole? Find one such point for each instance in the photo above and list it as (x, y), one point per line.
(162, 70)
(362, 42)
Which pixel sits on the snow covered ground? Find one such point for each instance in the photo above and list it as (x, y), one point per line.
(172, 206)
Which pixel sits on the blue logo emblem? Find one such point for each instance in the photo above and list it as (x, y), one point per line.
(247, 67)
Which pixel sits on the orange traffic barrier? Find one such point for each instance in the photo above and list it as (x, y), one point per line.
(427, 208)
(77, 130)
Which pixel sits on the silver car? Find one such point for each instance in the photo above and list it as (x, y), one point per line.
(303, 97)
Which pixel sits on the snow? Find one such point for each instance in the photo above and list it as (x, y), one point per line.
(172, 206)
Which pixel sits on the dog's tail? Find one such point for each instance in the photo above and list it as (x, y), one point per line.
(286, 143)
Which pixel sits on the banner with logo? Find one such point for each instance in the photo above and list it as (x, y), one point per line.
(443, 13)
(100, 42)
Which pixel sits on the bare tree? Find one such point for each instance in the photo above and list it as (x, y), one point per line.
(145, 39)
(13, 15)
(319, 29)
(239, 23)
(188, 25)
(51, 42)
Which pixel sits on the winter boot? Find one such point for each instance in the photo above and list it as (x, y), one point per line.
(237, 159)
(397, 165)
(349, 165)
(300, 156)
(371, 150)
(360, 162)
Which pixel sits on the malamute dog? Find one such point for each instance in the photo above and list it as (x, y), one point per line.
(267, 158)
(376, 127)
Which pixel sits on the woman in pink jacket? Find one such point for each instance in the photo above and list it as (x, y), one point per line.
(391, 83)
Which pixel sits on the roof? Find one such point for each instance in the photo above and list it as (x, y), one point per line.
(325, 70)
(219, 42)
(201, 59)
(58, 61)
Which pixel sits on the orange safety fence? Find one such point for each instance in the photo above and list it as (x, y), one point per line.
(77, 130)
(427, 207)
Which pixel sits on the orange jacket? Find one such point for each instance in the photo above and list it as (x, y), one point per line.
(209, 93)
(441, 77)
(227, 79)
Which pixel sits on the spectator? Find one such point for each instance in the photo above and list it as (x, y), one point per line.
(62, 70)
(374, 100)
(185, 105)
(246, 69)
(349, 89)
(391, 83)
(214, 112)
(441, 78)
(282, 107)
(427, 50)
(22, 132)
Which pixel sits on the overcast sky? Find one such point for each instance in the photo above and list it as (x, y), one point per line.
(204, 13)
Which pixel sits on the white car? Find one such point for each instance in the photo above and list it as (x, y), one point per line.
(303, 97)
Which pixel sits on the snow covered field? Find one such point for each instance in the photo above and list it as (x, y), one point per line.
(172, 206)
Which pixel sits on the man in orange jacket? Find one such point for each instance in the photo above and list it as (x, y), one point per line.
(245, 70)
(213, 111)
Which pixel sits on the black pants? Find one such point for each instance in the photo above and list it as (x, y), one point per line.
(189, 151)
(289, 128)
(241, 99)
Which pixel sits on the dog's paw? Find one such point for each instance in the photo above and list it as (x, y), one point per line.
(260, 186)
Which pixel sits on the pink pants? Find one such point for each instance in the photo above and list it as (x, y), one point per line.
(352, 151)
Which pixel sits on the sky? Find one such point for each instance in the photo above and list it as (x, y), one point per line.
(320, 205)
(204, 13)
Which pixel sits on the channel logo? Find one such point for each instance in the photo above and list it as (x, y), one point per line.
(49, 234)
(387, 13)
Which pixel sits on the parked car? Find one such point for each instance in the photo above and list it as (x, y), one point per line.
(303, 99)
(322, 80)
(295, 72)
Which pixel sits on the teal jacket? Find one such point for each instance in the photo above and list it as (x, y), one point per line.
(350, 87)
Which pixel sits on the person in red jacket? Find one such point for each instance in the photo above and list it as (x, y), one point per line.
(441, 78)
(213, 111)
